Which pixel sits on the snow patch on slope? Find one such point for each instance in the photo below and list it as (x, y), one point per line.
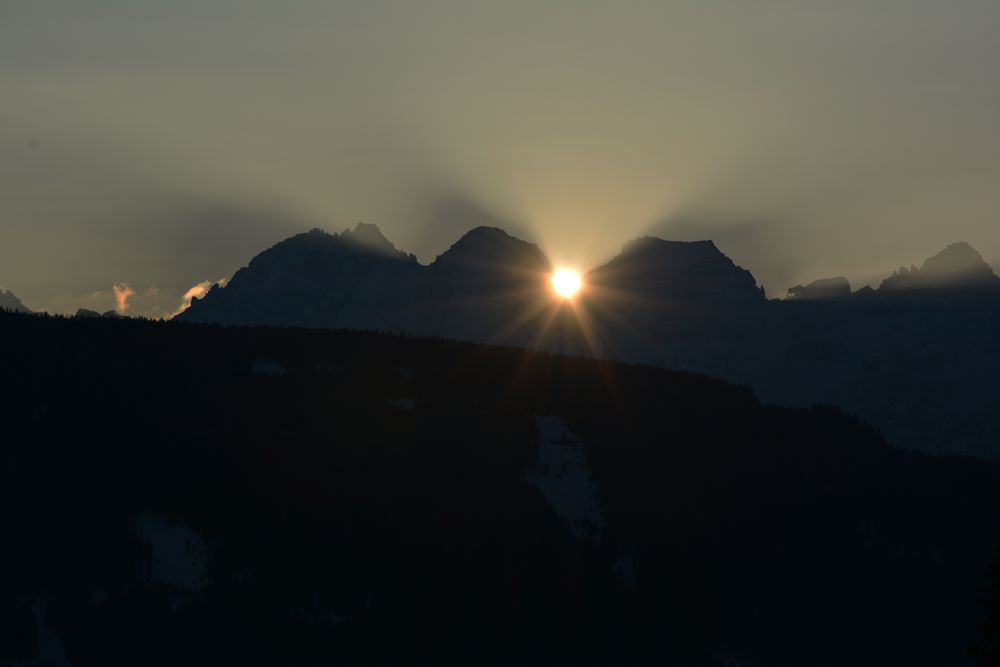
(49, 649)
(177, 556)
(267, 367)
(402, 404)
(564, 478)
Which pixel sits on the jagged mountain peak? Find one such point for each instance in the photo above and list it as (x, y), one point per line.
(649, 244)
(492, 247)
(697, 269)
(369, 236)
(958, 265)
(8, 301)
(957, 260)
(650, 253)
(319, 246)
(350, 279)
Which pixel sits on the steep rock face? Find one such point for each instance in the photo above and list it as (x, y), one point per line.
(695, 272)
(667, 302)
(827, 288)
(488, 286)
(10, 302)
(353, 279)
(957, 266)
(492, 251)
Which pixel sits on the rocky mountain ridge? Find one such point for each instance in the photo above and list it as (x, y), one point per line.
(915, 357)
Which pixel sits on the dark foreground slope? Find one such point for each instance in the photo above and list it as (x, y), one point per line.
(185, 494)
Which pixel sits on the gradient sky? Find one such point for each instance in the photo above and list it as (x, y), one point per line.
(161, 144)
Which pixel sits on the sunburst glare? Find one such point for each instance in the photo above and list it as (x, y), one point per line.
(566, 283)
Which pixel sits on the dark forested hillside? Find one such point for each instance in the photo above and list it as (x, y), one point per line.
(188, 494)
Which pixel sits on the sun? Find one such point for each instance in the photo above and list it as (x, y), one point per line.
(566, 283)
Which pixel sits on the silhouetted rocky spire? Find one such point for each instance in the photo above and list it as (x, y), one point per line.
(10, 302)
(492, 247)
(958, 265)
(369, 236)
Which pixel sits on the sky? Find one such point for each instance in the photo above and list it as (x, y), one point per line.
(148, 147)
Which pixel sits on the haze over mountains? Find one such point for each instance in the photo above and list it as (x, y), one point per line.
(916, 356)
(957, 266)
(8, 301)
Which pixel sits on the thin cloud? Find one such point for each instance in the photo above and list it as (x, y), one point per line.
(196, 292)
(122, 294)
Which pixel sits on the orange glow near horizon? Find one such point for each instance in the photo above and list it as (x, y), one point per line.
(566, 283)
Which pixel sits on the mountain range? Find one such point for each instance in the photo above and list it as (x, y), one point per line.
(299, 489)
(917, 357)
(487, 287)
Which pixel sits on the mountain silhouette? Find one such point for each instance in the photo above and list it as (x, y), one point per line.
(916, 357)
(826, 288)
(488, 286)
(8, 301)
(690, 272)
(347, 280)
(958, 266)
(492, 251)
(358, 279)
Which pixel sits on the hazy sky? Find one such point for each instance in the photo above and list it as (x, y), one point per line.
(159, 144)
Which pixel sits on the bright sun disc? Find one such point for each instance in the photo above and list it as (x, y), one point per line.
(566, 283)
